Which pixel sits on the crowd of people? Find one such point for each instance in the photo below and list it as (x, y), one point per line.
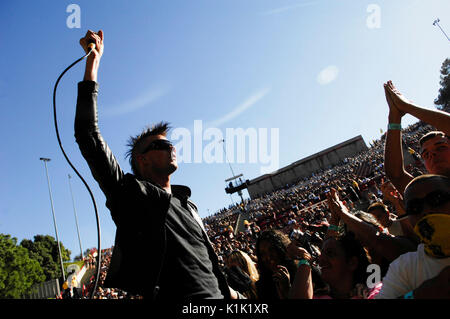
(101, 291)
(308, 208)
(259, 260)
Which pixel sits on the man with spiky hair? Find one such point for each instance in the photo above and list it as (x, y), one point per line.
(161, 248)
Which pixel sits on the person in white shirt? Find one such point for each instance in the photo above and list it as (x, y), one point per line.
(424, 273)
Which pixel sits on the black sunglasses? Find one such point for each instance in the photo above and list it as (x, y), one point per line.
(433, 199)
(158, 145)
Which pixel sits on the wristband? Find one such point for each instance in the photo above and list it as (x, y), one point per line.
(303, 262)
(409, 295)
(333, 227)
(394, 126)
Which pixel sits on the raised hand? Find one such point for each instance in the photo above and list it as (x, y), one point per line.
(282, 281)
(295, 252)
(335, 204)
(397, 98)
(93, 60)
(395, 114)
(390, 192)
(97, 38)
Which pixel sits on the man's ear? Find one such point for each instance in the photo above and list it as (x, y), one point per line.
(140, 160)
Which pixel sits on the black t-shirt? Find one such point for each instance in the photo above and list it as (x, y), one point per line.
(188, 271)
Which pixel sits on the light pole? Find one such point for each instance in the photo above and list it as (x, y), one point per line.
(226, 157)
(76, 218)
(436, 22)
(45, 160)
(232, 172)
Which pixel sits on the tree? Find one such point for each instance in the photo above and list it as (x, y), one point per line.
(85, 254)
(443, 100)
(45, 250)
(18, 271)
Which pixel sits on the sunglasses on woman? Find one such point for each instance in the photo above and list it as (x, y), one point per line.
(158, 145)
(433, 199)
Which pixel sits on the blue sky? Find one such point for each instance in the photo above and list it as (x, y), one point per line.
(311, 69)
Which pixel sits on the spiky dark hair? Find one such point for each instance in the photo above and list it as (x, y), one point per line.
(135, 143)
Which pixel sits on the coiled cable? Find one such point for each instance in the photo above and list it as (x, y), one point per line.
(79, 175)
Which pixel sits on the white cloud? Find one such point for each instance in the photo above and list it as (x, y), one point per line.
(328, 75)
(138, 102)
(249, 102)
(287, 8)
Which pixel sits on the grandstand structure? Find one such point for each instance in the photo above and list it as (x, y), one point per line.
(303, 168)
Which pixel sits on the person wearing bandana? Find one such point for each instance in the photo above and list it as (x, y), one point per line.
(424, 273)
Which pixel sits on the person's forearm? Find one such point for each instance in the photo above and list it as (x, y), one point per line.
(439, 119)
(393, 156)
(303, 285)
(104, 166)
(385, 245)
(366, 233)
(91, 70)
(334, 221)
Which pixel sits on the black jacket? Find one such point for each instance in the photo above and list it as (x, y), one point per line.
(138, 208)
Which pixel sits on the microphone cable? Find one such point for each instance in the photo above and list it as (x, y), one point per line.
(79, 175)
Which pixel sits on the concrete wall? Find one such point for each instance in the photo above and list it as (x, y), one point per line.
(305, 167)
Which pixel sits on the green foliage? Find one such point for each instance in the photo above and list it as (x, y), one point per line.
(443, 100)
(44, 249)
(85, 254)
(78, 258)
(18, 271)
